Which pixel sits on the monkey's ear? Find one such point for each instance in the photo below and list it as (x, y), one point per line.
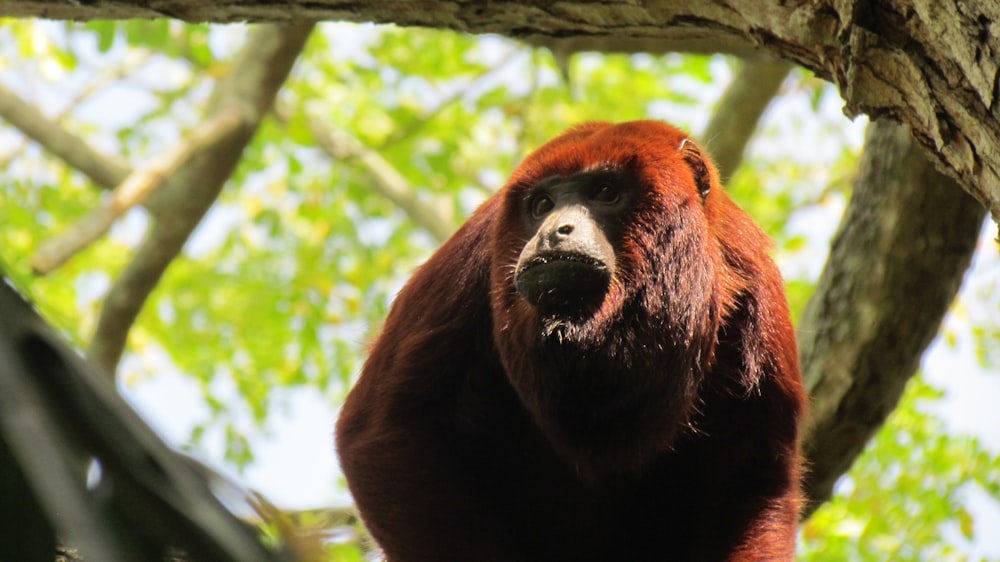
(695, 160)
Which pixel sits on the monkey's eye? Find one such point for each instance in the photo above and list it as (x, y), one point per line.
(541, 205)
(606, 194)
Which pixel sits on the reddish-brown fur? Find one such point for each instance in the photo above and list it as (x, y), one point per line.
(663, 427)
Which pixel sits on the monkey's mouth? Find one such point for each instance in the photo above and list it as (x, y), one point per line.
(562, 281)
(561, 258)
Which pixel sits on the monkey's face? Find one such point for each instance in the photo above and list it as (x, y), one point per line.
(573, 222)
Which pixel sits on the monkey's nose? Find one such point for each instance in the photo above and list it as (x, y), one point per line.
(559, 234)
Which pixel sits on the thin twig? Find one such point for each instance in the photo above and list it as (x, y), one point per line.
(402, 134)
(388, 181)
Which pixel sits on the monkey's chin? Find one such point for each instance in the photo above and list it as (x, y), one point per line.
(563, 284)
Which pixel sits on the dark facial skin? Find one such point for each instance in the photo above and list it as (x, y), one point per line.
(574, 222)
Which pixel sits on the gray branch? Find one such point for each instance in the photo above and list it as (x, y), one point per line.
(136, 188)
(103, 169)
(737, 113)
(251, 84)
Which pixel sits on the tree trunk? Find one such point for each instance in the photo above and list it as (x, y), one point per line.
(895, 265)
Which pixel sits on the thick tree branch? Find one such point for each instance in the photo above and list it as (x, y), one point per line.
(897, 262)
(930, 64)
(251, 85)
(139, 185)
(56, 415)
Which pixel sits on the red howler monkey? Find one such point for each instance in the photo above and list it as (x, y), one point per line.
(599, 365)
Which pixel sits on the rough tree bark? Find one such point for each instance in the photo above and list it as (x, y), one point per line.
(895, 265)
(930, 64)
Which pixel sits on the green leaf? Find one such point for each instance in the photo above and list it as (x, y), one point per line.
(106, 31)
